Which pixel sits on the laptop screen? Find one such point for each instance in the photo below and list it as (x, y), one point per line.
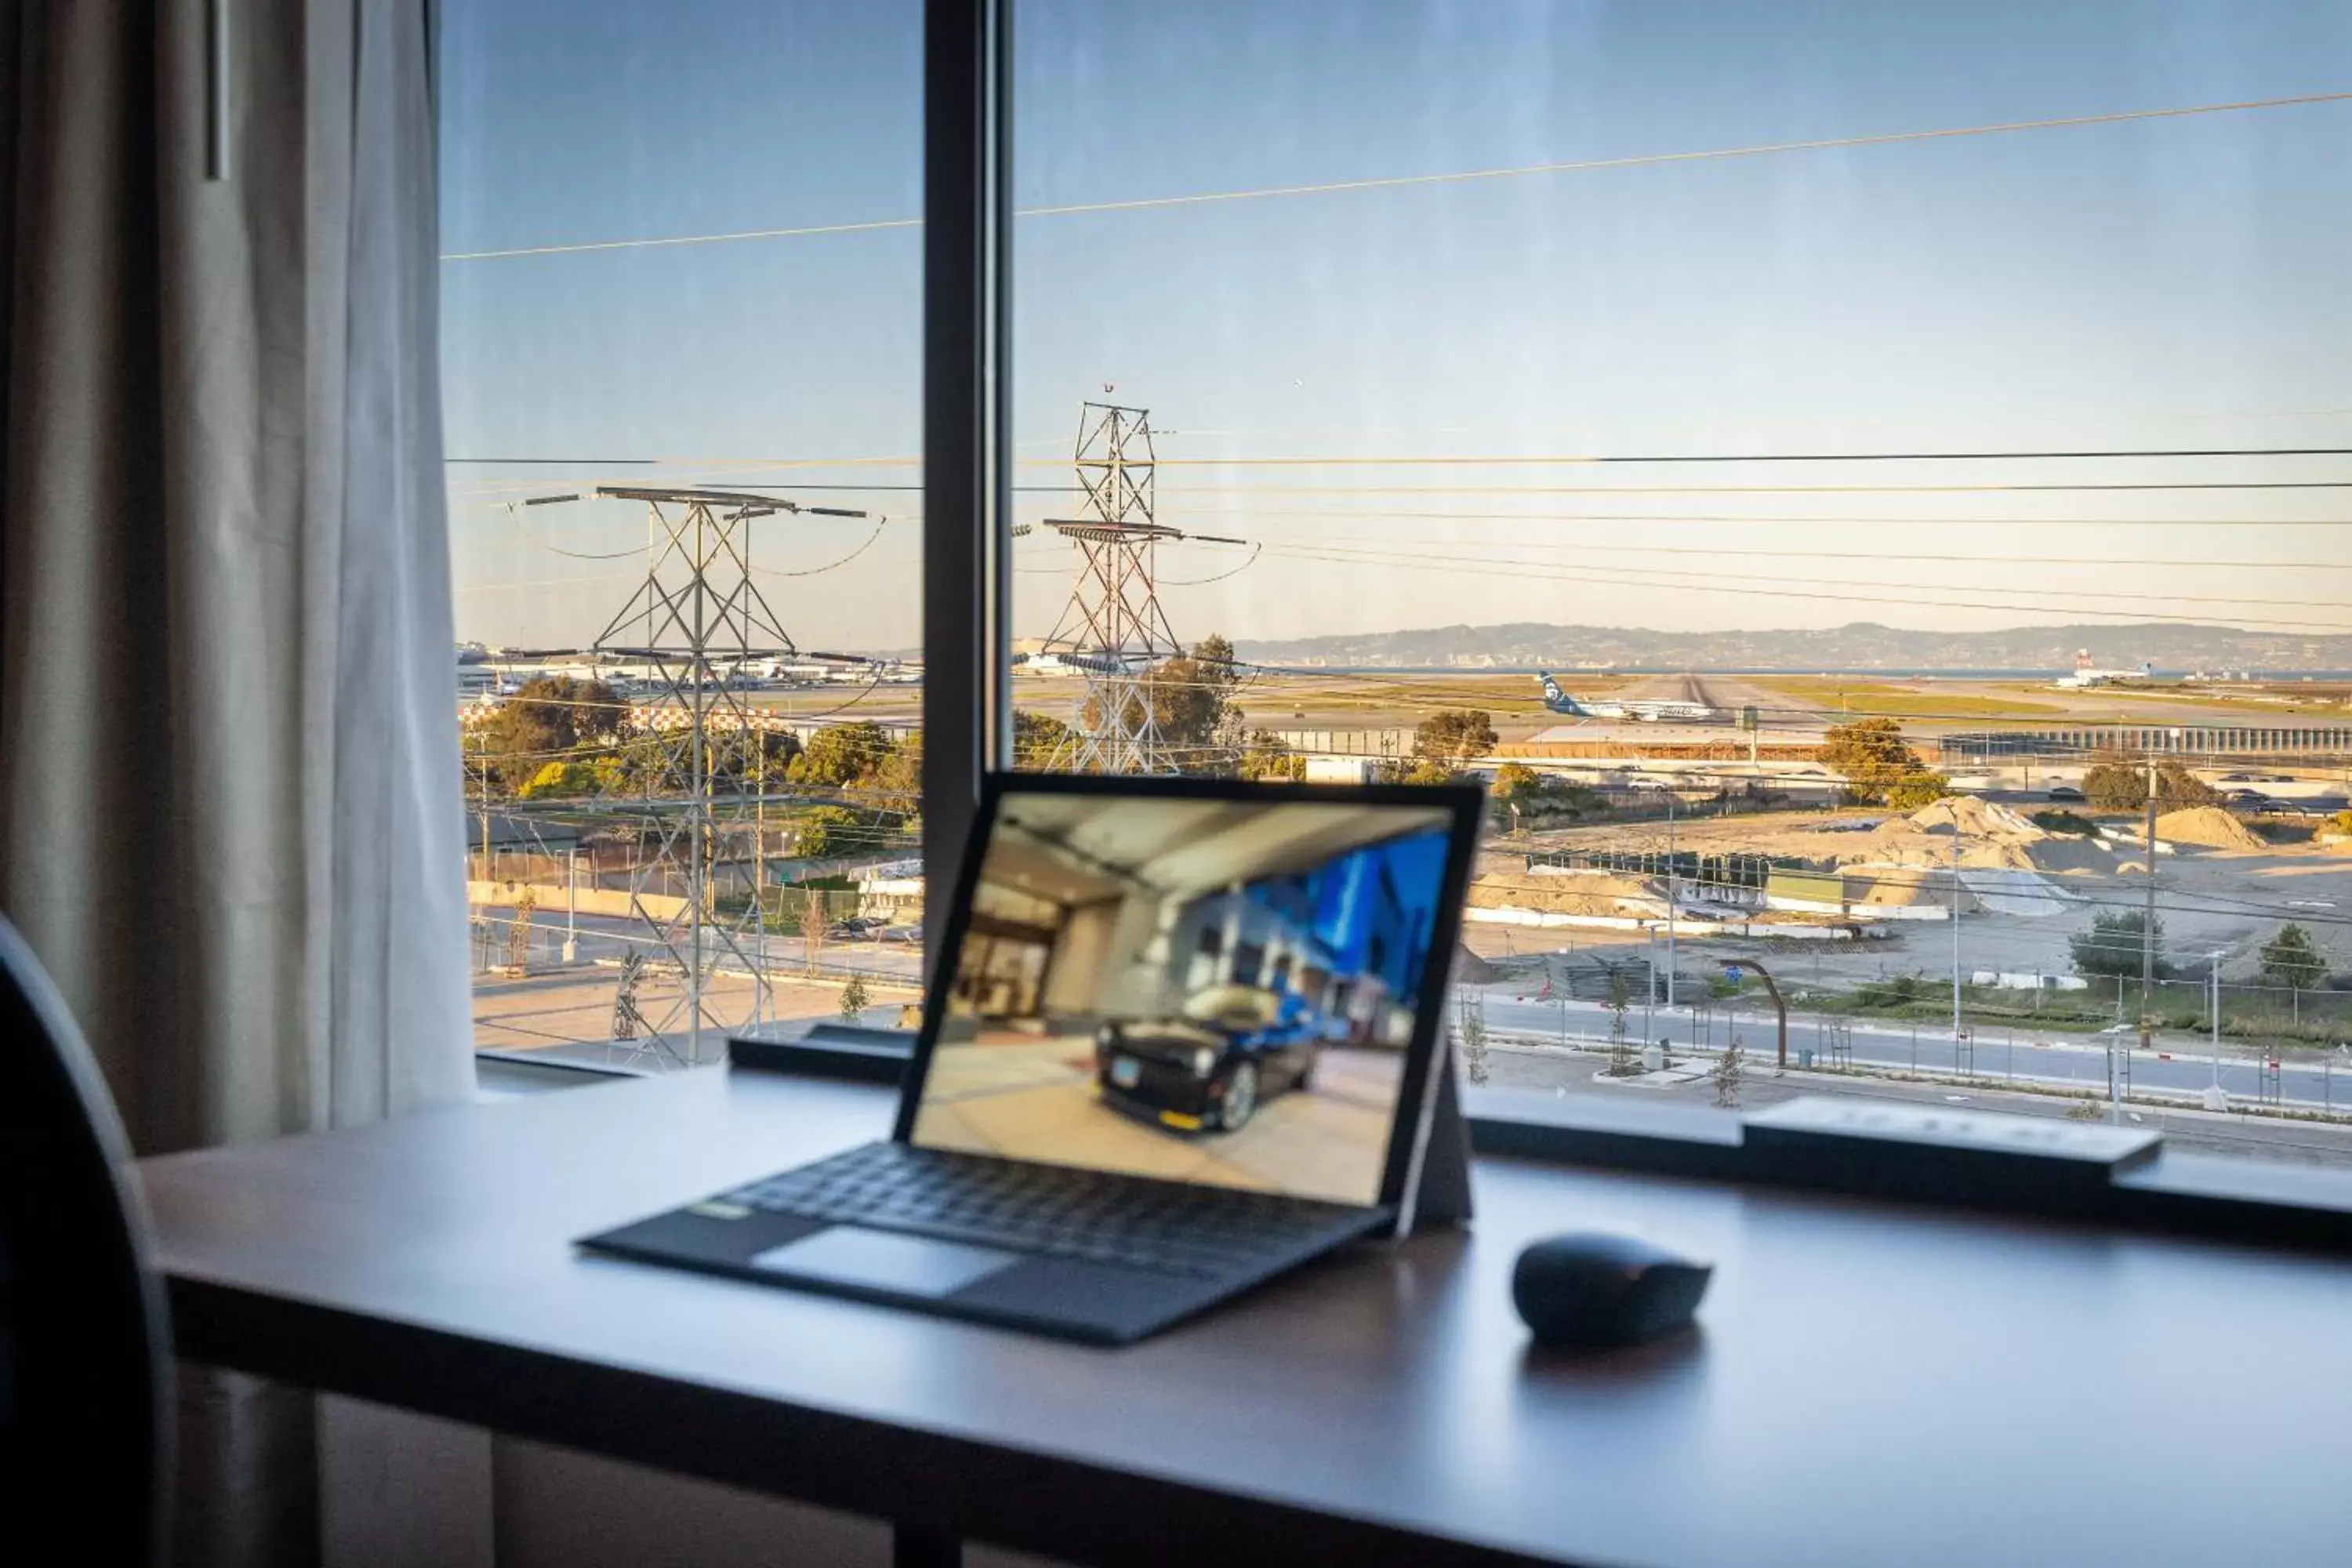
(1210, 991)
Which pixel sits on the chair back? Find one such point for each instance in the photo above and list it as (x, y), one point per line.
(85, 1352)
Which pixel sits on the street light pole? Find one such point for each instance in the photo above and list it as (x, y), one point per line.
(1779, 1007)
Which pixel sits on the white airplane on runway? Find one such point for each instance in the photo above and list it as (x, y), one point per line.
(1640, 710)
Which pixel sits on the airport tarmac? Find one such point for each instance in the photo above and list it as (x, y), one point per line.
(1030, 1096)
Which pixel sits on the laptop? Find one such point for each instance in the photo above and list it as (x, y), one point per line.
(1183, 1036)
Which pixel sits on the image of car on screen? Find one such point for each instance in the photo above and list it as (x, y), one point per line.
(1228, 1051)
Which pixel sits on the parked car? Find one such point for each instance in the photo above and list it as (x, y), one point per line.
(854, 928)
(2062, 792)
(1226, 1052)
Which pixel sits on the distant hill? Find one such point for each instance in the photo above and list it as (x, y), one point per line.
(1862, 645)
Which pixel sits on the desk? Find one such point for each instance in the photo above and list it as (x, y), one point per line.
(1872, 1384)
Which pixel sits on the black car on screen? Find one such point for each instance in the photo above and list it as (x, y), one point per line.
(1209, 1067)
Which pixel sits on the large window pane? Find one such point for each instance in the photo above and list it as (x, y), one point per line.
(682, 322)
(1812, 460)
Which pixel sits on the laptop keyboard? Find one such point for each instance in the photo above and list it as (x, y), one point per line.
(1094, 1215)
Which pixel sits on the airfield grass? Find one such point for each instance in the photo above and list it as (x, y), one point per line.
(1875, 698)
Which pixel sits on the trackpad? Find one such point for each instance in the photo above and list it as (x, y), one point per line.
(885, 1260)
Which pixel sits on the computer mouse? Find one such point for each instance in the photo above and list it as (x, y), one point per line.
(1593, 1287)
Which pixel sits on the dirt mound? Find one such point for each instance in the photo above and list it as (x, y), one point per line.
(1551, 898)
(1972, 818)
(2058, 853)
(2209, 826)
(1991, 837)
(1935, 852)
(1469, 969)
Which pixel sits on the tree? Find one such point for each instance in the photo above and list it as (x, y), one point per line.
(561, 781)
(853, 997)
(1514, 779)
(895, 782)
(2291, 959)
(550, 718)
(2119, 785)
(1452, 737)
(841, 754)
(812, 927)
(1879, 765)
(1472, 1034)
(1192, 706)
(2114, 945)
(1190, 701)
(1731, 1068)
(828, 831)
(1265, 756)
(1037, 741)
(1621, 1048)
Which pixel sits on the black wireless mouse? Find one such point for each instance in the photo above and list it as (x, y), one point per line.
(1594, 1289)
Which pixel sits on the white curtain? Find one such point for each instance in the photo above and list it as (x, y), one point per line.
(230, 812)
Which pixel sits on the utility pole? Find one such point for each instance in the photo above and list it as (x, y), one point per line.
(1955, 940)
(2148, 918)
(484, 749)
(2214, 1099)
(1673, 884)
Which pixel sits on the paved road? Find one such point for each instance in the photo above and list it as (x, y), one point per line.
(2021, 1056)
(2263, 1138)
(605, 938)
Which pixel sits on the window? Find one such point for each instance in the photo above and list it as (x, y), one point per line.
(1813, 462)
(682, 331)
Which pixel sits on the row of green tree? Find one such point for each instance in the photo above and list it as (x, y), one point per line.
(2120, 945)
(565, 737)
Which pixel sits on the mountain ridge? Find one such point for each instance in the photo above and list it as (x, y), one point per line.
(1860, 645)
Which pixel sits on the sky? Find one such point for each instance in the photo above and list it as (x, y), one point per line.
(2154, 284)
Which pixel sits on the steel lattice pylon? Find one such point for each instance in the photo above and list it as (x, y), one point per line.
(698, 771)
(1113, 629)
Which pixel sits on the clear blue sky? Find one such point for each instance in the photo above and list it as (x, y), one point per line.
(2152, 284)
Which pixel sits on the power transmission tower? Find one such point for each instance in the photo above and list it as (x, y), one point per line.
(1113, 629)
(696, 775)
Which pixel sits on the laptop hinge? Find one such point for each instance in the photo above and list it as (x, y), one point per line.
(1440, 1190)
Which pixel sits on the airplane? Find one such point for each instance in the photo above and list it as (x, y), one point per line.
(1640, 710)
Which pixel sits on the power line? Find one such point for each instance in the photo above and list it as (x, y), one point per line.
(1492, 460)
(1716, 518)
(1398, 181)
(1677, 489)
(1376, 554)
(1713, 583)
(1508, 461)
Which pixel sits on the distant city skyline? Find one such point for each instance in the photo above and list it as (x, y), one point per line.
(2145, 284)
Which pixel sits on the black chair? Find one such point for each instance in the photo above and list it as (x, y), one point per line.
(85, 1354)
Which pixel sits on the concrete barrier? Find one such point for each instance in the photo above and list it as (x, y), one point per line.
(552, 900)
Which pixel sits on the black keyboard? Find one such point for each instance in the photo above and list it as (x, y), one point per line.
(1203, 1231)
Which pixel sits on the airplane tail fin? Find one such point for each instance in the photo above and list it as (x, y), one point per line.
(1559, 701)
